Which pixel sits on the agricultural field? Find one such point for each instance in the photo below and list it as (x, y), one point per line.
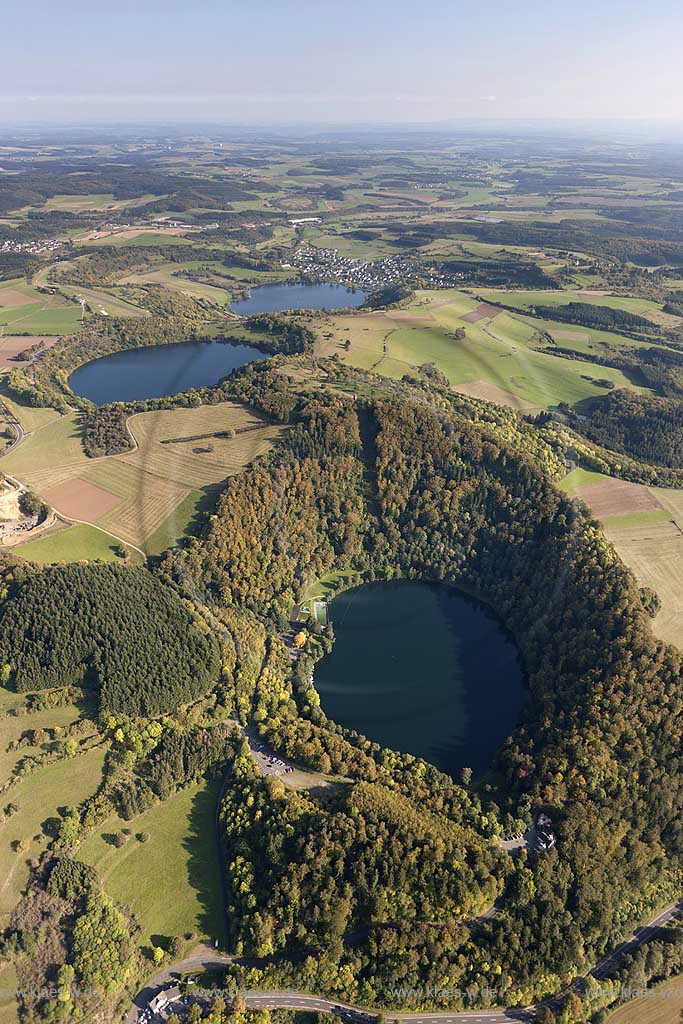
(24, 310)
(495, 360)
(145, 498)
(75, 543)
(101, 300)
(441, 233)
(181, 850)
(645, 525)
(136, 236)
(12, 345)
(31, 417)
(662, 1004)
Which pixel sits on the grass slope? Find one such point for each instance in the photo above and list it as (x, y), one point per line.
(496, 350)
(171, 882)
(38, 797)
(71, 545)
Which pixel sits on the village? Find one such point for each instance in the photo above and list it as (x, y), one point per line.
(331, 265)
(35, 247)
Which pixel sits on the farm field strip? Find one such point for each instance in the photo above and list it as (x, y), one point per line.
(133, 495)
(645, 526)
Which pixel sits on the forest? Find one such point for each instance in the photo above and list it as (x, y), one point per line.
(590, 315)
(114, 628)
(396, 488)
(644, 428)
(373, 884)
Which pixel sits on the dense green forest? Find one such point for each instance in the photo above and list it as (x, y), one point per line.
(115, 628)
(396, 488)
(646, 429)
(590, 315)
(369, 884)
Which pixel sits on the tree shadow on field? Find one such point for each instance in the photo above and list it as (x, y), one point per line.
(203, 864)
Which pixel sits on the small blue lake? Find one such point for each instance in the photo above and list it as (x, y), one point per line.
(272, 298)
(422, 669)
(159, 370)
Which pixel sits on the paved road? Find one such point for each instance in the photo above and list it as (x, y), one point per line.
(205, 957)
(640, 936)
(302, 1001)
(16, 425)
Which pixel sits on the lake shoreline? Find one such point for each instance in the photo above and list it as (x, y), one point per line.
(435, 685)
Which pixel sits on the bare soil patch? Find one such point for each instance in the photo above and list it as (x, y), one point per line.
(10, 347)
(79, 499)
(9, 503)
(484, 311)
(12, 297)
(494, 393)
(618, 498)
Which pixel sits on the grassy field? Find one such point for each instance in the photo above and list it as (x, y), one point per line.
(38, 797)
(645, 525)
(137, 236)
(23, 308)
(12, 727)
(496, 351)
(524, 299)
(171, 882)
(103, 301)
(328, 586)
(30, 418)
(144, 497)
(9, 1012)
(662, 1005)
(73, 543)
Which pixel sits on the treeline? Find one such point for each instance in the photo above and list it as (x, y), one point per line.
(389, 295)
(113, 628)
(314, 497)
(104, 430)
(646, 429)
(174, 318)
(104, 427)
(106, 264)
(657, 367)
(589, 315)
(38, 181)
(178, 759)
(518, 273)
(71, 944)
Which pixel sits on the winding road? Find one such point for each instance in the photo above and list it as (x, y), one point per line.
(16, 426)
(204, 958)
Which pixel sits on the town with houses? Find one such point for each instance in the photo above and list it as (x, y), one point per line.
(330, 265)
(41, 246)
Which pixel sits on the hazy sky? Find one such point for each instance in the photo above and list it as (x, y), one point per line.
(356, 60)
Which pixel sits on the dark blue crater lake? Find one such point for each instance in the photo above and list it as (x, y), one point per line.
(271, 298)
(422, 669)
(159, 370)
